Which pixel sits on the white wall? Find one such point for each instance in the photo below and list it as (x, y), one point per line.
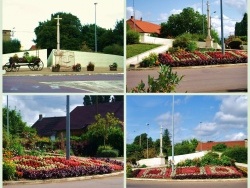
(179, 158)
(42, 55)
(155, 40)
(152, 162)
(100, 60)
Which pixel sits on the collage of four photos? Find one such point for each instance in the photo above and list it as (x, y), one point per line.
(124, 93)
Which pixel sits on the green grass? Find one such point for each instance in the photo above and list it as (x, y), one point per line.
(135, 49)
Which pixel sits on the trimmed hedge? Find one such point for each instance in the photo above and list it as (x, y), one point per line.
(239, 154)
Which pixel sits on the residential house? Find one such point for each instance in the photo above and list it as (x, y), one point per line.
(80, 118)
(6, 35)
(208, 145)
(143, 27)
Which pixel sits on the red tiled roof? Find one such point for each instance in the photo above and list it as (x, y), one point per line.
(143, 27)
(208, 145)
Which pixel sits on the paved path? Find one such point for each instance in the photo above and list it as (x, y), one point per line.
(223, 78)
(98, 83)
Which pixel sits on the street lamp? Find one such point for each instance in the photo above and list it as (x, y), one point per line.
(95, 30)
(147, 142)
(222, 32)
(203, 28)
(173, 136)
(201, 137)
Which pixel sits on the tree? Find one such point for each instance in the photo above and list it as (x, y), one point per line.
(132, 37)
(241, 27)
(11, 46)
(188, 21)
(70, 32)
(92, 99)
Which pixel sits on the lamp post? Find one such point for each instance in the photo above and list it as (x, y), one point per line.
(203, 27)
(147, 142)
(222, 30)
(95, 30)
(67, 129)
(173, 136)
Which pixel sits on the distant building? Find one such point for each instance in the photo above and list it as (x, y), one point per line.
(6, 35)
(80, 118)
(206, 146)
(143, 27)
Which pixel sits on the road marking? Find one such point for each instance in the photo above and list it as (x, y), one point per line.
(108, 86)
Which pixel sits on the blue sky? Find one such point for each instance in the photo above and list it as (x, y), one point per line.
(158, 11)
(207, 118)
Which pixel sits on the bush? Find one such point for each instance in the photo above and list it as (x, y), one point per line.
(239, 154)
(9, 170)
(106, 151)
(210, 159)
(235, 44)
(185, 41)
(132, 37)
(219, 147)
(114, 49)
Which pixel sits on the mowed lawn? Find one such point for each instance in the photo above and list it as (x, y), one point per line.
(135, 49)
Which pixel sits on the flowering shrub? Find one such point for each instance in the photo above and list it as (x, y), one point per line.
(33, 167)
(198, 58)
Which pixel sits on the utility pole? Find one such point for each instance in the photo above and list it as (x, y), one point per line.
(67, 129)
(95, 30)
(222, 29)
(58, 33)
(8, 118)
(173, 135)
(147, 142)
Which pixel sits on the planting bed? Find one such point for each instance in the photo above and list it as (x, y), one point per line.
(198, 58)
(32, 167)
(207, 172)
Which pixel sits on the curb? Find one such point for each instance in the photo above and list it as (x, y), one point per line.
(187, 180)
(62, 179)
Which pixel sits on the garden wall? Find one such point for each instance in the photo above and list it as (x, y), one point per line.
(100, 60)
(152, 162)
(42, 55)
(179, 158)
(154, 40)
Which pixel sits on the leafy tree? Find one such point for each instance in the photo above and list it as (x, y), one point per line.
(11, 46)
(219, 147)
(92, 99)
(143, 140)
(188, 21)
(241, 27)
(134, 151)
(132, 37)
(70, 32)
(16, 124)
(104, 129)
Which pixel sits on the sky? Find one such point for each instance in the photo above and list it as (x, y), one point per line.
(30, 106)
(158, 11)
(204, 117)
(24, 16)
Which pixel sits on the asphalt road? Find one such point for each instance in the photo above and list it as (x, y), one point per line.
(108, 182)
(99, 83)
(187, 184)
(225, 78)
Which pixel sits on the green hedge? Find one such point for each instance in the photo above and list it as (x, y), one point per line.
(239, 154)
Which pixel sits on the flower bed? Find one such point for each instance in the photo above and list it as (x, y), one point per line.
(207, 172)
(32, 167)
(198, 58)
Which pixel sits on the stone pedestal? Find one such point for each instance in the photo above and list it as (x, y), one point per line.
(159, 161)
(209, 42)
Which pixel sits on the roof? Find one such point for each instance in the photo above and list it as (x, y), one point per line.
(82, 116)
(208, 145)
(45, 126)
(143, 26)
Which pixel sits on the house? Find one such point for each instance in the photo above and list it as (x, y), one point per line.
(208, 145)
(80, 118)
(143, 27)
(6, 35)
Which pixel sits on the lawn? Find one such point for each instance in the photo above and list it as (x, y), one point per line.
(135, 49)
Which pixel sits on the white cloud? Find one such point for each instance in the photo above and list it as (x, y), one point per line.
(130, 12)
(175, 11)
(240, 5)
(206, 129)
(166, 119)
(236, 136)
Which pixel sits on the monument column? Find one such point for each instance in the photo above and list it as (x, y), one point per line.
(209, 40)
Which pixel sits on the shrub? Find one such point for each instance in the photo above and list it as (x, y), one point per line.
(106, 151)
(210, 159)
(219, 147)
(114, 49)
(239, 154)
(235, 44)
(9, 170)
(132, 37)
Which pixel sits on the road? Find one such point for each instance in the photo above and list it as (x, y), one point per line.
(225, 78)
(187, 184)
(108, 182)
(99, 83)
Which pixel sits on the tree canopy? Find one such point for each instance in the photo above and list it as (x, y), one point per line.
(75, 36)
(241, 27)
(11, 46)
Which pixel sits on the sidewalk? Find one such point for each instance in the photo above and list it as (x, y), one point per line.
(63, 72)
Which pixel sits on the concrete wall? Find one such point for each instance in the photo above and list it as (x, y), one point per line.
(100, 60)
(152, 162)
(42, 55)
(154, 40)
(179, 158)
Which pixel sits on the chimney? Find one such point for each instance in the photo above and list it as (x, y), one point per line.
(132, 17)
(40, 117)
(141, 19)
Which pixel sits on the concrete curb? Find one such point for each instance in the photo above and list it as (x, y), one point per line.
(62, 179)
(187, 180)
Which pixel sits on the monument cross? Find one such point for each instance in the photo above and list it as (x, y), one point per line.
(209, 40)
(58, 33)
